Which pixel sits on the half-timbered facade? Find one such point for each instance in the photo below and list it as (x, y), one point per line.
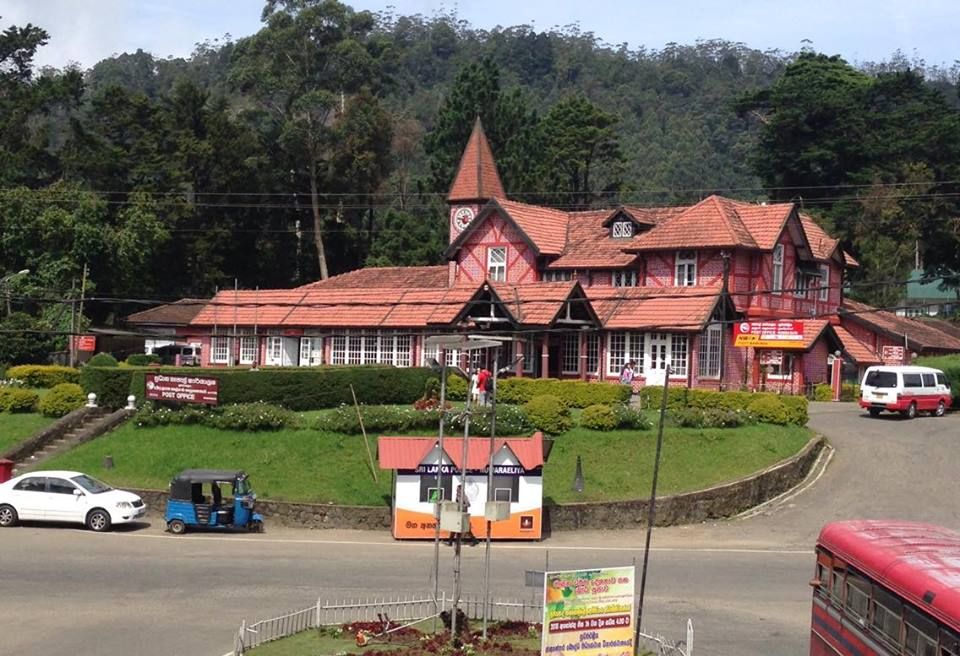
(579, 293)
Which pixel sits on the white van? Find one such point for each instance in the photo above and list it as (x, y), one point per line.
(907, 390)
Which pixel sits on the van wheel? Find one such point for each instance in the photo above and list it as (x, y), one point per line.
(874, 412)
(911, 412)
(941, 409)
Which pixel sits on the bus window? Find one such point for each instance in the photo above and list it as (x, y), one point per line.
(919, 634)
(949, 643)
(836, 590)
(929, 380)
(942, 380)
(912, 380)
(886, 616)
(823, 575)
(857, 600)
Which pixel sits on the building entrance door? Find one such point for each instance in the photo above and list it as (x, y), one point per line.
(657, 358)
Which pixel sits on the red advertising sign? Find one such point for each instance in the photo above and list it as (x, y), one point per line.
(892, 355)
(87, 343)
(185, 389)
(768, 334)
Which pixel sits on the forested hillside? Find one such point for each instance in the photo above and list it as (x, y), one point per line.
(327, 140)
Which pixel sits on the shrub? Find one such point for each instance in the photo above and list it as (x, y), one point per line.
(599, 417)
(142, 359)
(797, 409)
(651, 397)
(849, 392)
(822, 392)
(13, 399)
(769, 409)
(254, 417)
(548, 413)
(112, 385)
(631, 418)
(62, 400)
(102, 360)
(43, 375)
(572, 393)
(456, 388)
(376, 419)
(711, 418)
(511, 420)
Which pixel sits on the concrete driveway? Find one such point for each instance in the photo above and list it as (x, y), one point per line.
(744, 582)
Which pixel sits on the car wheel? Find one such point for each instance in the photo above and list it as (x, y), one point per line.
(177, 527)
(941, 409)
(912, 411)
(98, 520)
(874, 412)
(8, 516)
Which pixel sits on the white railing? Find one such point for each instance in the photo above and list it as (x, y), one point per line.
(664, 647)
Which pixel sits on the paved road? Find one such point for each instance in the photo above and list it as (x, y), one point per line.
(743, 582)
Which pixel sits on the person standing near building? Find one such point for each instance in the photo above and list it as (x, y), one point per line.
(484, 383)
(626, 374)
(474, 387)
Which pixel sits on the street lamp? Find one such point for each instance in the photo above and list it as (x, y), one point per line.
(8, 278)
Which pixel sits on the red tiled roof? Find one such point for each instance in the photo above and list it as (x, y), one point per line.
(248, 308)
(589, 244)
(812, 329)
(178, 313)
(714, 222)
(409, 452)
(535, 304)
(546, 227)
(920, 336)
(860, 352)
(386, 277)
(654, 215)
(477, 177)
(654, 308)
(821, 244)
(765, 222)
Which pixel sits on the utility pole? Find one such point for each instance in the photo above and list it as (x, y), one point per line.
(79, 327)
(652, 514)
(439, 499)
(725, 295)
(458, 546)
(71, 344)
(490, 496)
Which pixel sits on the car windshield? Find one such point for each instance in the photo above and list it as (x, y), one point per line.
(91, 485)
(881, 379)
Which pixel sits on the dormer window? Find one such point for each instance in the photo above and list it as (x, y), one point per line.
(686, 269)
(622, 229)
(625, 278)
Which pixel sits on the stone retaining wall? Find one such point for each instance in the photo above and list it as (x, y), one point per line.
(53, 432)
(713, 503)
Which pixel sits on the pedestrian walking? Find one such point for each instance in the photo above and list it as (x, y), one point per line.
(485, 383)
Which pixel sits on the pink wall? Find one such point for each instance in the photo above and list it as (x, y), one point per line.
(815, 368)
(496, 232)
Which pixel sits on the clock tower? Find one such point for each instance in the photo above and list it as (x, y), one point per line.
(476, 182)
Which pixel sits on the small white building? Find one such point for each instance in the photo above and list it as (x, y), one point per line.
(517, 479)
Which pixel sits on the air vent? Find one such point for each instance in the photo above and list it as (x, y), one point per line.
(928, 597)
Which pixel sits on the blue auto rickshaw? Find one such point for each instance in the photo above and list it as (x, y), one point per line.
(190, 506)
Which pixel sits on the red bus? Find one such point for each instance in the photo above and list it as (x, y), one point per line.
(886, 588)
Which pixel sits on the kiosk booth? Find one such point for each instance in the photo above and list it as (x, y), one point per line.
(517, 480)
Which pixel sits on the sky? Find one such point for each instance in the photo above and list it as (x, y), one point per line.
(86, 31)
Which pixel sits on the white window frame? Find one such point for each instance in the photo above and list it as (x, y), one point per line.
(529, 356)
(593, 354)
(570, 355)
(219, 350)
(624, 278)
(248, 350)
(622, 230)
(777, 280)
(685, 269)
(338, 349)
(801, 284)
(708, 354)
(497, 263)
(308, 346)
(275, 350)
(785, 359)
(557, 276)
(679, 354)
(624, 346)
(824, 293)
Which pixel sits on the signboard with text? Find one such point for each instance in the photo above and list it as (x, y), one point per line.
(893, 355)
(185, 389)
(768, 334)
(85, 343)
(589, 612)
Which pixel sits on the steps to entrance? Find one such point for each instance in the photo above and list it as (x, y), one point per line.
(76, 428)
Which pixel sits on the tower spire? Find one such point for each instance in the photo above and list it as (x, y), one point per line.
(477, 178)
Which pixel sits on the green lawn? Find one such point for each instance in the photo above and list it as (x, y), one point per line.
(16, 427)
(306, 465)
(619, 465)
(289, 465)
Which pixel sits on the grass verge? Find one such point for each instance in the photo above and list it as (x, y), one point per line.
(15, 427)
(310, 466)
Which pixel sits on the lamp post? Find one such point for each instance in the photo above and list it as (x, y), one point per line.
(8, 278)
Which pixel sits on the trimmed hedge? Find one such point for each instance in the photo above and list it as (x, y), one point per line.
(44, 375)
(549, 414)
(572, 393)
(295, 389)
(598, 417)
(102, 360)
(142, 359)
(13, 399)
(62, 400)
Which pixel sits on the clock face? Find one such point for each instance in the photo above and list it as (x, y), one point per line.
(462, 216)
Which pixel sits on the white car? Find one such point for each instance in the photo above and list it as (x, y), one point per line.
(67, 496)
